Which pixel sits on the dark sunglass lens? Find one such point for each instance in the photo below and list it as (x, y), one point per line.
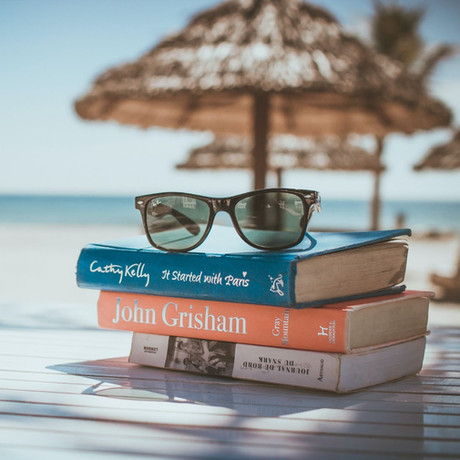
(272, 219)
(176, 222)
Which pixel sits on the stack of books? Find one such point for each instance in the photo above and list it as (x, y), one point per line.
(330, 314)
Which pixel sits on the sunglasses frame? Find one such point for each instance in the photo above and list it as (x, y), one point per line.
(310, 198)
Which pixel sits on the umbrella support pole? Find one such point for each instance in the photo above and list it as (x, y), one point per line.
(376, 203)
(261, 119)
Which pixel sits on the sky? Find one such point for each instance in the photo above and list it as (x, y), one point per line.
(51, 51)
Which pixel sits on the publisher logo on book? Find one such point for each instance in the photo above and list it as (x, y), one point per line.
(277, 284)
(153, 350)
(328, 331)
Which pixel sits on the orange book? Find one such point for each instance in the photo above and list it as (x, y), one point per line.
(341, 327)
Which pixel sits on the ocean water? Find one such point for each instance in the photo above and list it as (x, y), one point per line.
(336, 214)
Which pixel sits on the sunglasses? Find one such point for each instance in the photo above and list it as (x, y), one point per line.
(267, 219)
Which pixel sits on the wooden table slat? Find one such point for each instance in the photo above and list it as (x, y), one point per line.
(70, 393)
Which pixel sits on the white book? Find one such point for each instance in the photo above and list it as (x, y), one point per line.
(310, 369)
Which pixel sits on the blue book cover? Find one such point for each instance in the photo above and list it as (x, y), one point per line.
(227, 269)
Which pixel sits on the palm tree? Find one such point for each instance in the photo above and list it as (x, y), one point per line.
(395, 33)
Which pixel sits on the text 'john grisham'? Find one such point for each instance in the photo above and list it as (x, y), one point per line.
(173, 315)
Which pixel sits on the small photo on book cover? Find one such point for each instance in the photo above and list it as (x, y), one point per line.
(203, 356)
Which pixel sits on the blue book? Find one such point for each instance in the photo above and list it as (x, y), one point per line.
(325, 267)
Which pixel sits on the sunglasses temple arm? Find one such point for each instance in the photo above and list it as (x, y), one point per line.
(317, 203)
(316, 206)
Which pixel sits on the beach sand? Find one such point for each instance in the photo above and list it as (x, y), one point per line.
(37, 266)
(38, 261)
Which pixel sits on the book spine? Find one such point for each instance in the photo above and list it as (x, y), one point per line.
(308, 329)
(309, 369)
(267, 281)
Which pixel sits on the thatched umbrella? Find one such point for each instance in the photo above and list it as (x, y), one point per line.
(446, 157)
(284, 152)
(254, 67)
(443, 156)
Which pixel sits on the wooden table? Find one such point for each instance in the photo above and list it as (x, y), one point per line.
(67, 392)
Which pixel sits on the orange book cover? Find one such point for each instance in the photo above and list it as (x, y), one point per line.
(324, 329)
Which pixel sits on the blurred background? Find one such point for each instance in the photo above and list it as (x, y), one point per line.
(52, 52)
(63, 169)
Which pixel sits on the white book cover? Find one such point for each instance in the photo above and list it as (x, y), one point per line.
(310, 369)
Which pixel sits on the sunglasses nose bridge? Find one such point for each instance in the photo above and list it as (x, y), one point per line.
(221, 204)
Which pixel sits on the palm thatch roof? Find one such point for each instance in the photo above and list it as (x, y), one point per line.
(320, 79)
(443, 156)
(262, 67)
(284, 152)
